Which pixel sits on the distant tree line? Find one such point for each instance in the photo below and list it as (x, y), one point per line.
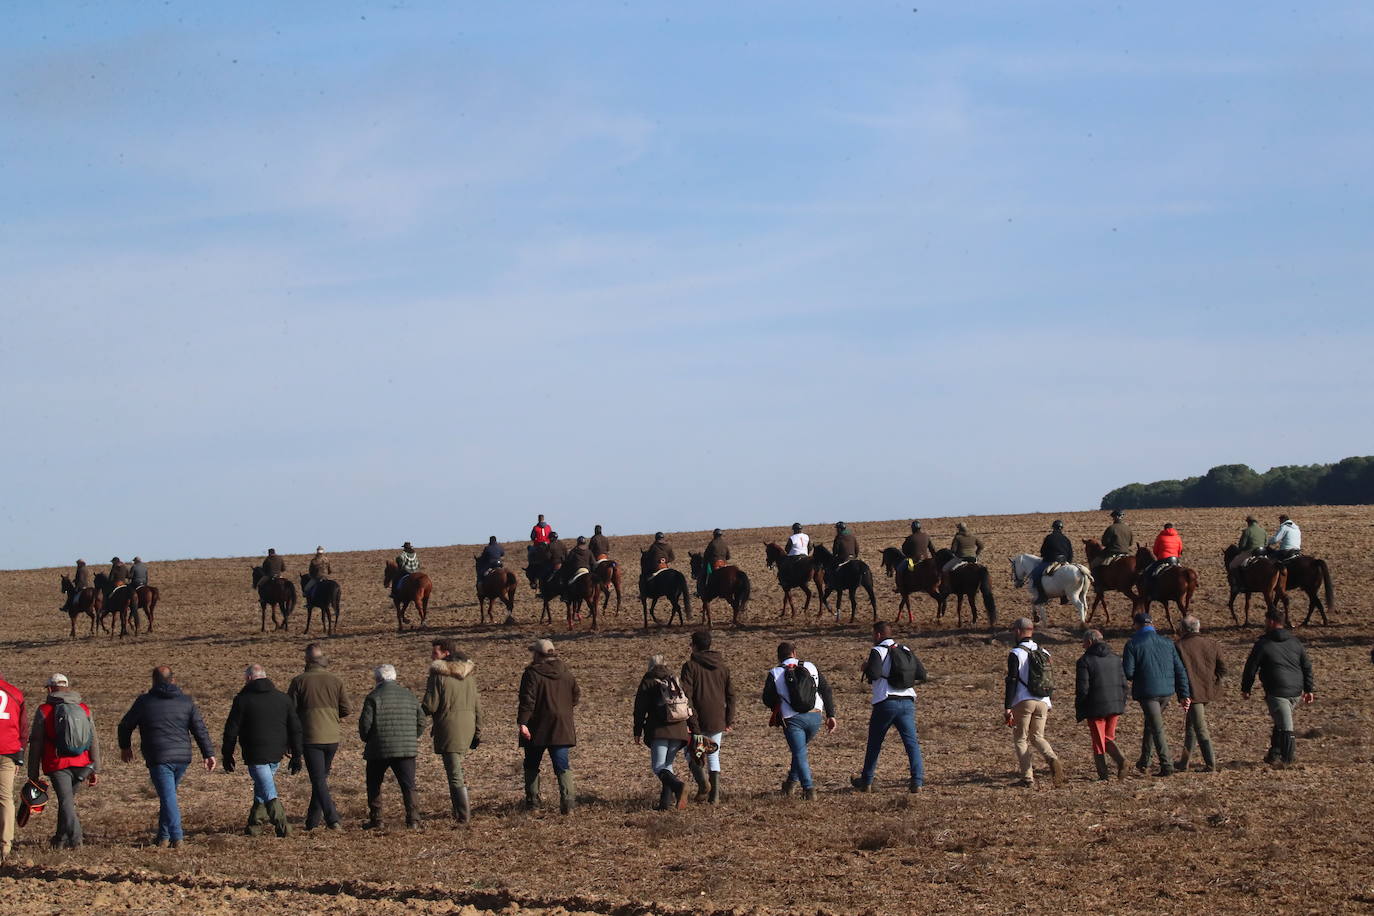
(1347, 482)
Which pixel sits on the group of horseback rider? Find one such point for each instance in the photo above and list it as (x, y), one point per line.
(551, 562)
(133, 574)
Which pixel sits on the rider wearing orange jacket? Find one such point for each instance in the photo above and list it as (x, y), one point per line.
(1167, 550)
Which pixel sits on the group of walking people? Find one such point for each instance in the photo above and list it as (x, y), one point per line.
(693, 711)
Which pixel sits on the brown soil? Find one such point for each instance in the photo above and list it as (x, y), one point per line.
(1245, 838)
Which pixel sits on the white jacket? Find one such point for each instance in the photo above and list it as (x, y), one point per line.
(1288, 537)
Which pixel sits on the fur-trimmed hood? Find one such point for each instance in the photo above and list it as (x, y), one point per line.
(452, 668)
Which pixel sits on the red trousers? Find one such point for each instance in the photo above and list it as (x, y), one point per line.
(1102, 731)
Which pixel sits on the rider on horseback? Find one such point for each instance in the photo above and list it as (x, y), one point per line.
(1055, 548)
(119, 573)
(599, 545)
(966, 548)
(1167, 550)
(138, 573)
(1251, 542)
(1117, 541)
(81, 580)
(799, 544)
(319, 569)
(1286, 542)
(540, 535)
(490, 558)
(717, 553)
(659, 554)
(917, 546)
(845, 548)
(578, 559)
(273, 566)
(557, 552)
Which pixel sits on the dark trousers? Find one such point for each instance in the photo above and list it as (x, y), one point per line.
(558, 756)
(319, 760)
(898, 713)
(404, 768)
(64, 785)
(1153, 733)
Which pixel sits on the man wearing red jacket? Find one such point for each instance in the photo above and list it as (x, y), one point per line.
(66, 771)
(14, 728)
(1168, 549)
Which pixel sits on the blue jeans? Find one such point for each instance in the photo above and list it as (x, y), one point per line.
(264, 776)
(898, 712)
(713, 758)
(663, 753)
(166, 777)
(558, 756)
(799, 730)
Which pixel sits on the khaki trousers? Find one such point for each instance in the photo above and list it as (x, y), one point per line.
(1028, 721)
(7, 771)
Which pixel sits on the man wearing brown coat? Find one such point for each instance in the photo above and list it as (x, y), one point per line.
(845, 545)
(272, 565)
(1202, 659)
(706, 681)
(548, 694)
(451, 699)
(321, 701)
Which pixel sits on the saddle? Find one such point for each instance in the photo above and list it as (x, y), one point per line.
(843, 563)
(495, 568)
(396, 586)
(604, 558)
(581, 571)
(1054, 567)
(661, 569)
(1111, 558)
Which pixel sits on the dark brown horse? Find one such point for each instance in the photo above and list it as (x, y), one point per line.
(1117, 575)
(1175, 583)
(1261, 575)
(145, 597)
(967, 581)
(498, 582)
(849, 576)
(406, 590)
(1308, 574)
(120, 602)
(923, 576)
(280, 594)
(579, 591)
(728, 582)
(795, 572)
(607, 572)
(665, 582)
(327, 596)
(86, 601)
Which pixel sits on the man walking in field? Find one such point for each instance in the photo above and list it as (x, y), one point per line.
(14, 733)
(798, 695)
(1152, 664)
(321, 701)
(452, 701)
(1100, 699)
(390, 726)
(64, 747)
(706, 681)
(263, 720)
(1026, 703)
(1285, 672)
(893, 670)
(548, 696)
(1202, 659)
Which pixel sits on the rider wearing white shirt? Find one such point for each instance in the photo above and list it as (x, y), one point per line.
(799, 544)
(1287, 540)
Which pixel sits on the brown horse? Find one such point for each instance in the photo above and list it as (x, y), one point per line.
(1307, 574)
(795, 572)
(607, 572)
(280, 594)
(1174, 583)
(923, 576)
(498, 582)
(1118, 575)
(582, 590)
(118, 602)
(1261, 575)
(327, 596)
(967, 581)
(406, 590)
(145, 598)
(728, 582)
(86, 601)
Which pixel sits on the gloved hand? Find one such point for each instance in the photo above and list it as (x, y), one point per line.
(476, 740)
(228, 764)
(295, 766)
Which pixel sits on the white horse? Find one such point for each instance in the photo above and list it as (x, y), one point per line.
(1071, 581)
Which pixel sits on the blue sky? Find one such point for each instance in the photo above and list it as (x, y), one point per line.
(355, 273)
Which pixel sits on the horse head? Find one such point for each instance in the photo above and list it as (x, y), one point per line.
(1143, 557)
(695, 560)
(823, 555)
(389, 572)
(1091, 547)
(67, 587)
(1021, 566)
(772, 553)
(257, 575)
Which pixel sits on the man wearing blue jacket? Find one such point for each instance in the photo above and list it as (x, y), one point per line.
(1152, 664)
(167, 720)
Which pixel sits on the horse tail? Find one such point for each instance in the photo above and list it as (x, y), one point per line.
(1326, 584)
(686, 598)
(989, 602)
(742, 589)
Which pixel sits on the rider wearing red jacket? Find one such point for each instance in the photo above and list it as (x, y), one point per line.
(1168, 549)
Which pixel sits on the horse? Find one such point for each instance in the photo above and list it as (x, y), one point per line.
(577, 591)
(1261, 574)
(327, 596)
(728, 582)
(1068, 580)
(662, 582)
(279, 593)
(851, 575)
(498, 582)
(795, 572)
(1307, 574)
(118, 602)
(968, 580)
(607, 572)
(1118, 575)
(539, 566)
(923, 576)
(1174, 583)
(86, 601)
(406, 590)
(145, 599)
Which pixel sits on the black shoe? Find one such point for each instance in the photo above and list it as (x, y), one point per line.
(913, 787)
(808, 794)
(788, 785)
(174, 844)
(334, 825)
(860, 784)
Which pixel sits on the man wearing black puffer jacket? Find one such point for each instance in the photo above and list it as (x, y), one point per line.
(264, 721)
(1286, 675)
(167, 720)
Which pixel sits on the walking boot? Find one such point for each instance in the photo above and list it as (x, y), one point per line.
(698, 774)
(462, 810)
(713, 796)
(374, 814)
(532, 799)
(1181, 764)
(412, 812)
(808, 794)
(788, 785)
(1209, 758)
(257, 816)
(1275, 739)
(1118, 758)
(665, 792)
(567, 798)
(1100, 761)
(1057, 771)
(860, 784)
(1289, 747)
(679, 787)
(276, 813)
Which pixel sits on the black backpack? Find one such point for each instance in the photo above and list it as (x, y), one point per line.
(902, 672)
(1038, 683)
(801, 687)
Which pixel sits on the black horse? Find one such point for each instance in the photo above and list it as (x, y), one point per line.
(666, 583)
(795, 572)
(279, 593)
(968, 581)
(849, 576)
(120, 601)
(327, 596)
(1308, 574)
